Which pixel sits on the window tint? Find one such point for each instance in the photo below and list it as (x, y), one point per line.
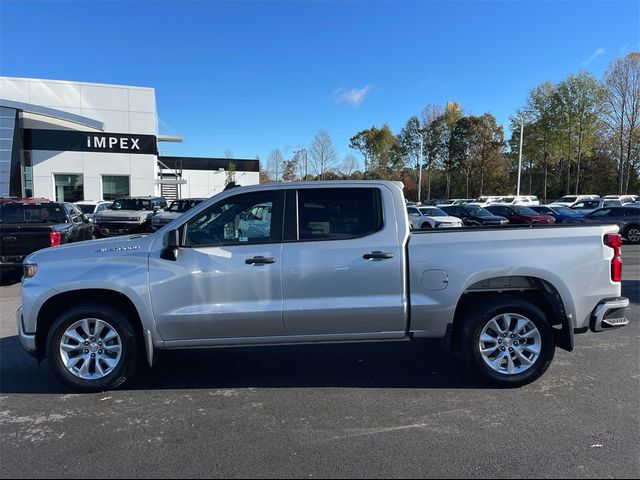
(601, 213)
(239, 220)
(413, 211)
(340, 213)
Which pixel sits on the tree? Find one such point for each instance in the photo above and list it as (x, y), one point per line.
(622, 112)
(231, 174)
(349, 164)
(228, 153)
(274, 165)
(432, 123)
(380, 149)
(322, 153)
(409, 139)
(580, 99)
(290, 169)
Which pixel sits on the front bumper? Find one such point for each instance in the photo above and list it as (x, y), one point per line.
(610, 314)
(122, 228)
(28, 340)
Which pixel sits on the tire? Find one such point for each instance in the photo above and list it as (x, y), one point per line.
(633, 234)
(425, 225)
(539, 348)
(123, 364)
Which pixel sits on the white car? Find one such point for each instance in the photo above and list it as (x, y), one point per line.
(90, 208)
(624, 199)
(431, 217)
(570, 200)
(525, 200)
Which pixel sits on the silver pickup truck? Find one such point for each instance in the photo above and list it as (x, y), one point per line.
(331, 262)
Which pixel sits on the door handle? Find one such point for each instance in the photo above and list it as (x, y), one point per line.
(260, 260)
(377, 255)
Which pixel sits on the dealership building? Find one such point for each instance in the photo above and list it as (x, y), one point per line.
(71, 141)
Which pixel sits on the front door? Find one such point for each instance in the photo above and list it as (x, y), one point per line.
(226, 281)
(343, 267)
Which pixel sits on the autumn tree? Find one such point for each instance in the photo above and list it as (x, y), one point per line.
(322, 154)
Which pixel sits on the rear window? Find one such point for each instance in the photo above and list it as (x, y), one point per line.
(86, 208)
(338, 214)
(34, 213)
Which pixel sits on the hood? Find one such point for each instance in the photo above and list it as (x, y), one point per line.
(93, 248)
(123, 214)
(445, 219)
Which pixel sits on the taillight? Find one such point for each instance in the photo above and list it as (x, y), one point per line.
(54, 239)
(614, 240)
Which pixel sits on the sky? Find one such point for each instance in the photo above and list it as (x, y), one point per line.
(254, 76)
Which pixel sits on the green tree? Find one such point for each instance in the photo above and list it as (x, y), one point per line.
(380, 149)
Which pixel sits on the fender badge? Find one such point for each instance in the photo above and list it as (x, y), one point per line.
(117, 249)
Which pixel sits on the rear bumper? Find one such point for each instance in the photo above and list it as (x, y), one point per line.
(610, 314)
(27, 340)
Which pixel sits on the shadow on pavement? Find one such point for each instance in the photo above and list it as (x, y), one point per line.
(631, 290)
(419, 364)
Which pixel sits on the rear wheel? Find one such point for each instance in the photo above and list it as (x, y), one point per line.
(92, 348)
(425, 225)
(508, 342)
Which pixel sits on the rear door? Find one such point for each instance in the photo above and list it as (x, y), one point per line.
(342, 263)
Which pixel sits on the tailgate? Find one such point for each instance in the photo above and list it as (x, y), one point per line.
(22, 240)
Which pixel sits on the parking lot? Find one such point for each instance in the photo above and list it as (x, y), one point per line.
(369, 410)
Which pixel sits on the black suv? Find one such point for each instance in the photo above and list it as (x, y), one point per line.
(475, 216)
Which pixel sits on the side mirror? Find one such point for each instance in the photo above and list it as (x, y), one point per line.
(170, 246)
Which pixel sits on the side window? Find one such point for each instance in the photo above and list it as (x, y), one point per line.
(601, 213)
(77, 215)
(238, 220)
(413, 211)
(339, 213)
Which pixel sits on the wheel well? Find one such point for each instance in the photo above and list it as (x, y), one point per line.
(55, 306)
(537, 291)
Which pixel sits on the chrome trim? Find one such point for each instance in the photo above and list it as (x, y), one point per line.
(599, 323)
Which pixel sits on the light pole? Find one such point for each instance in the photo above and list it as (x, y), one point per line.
(420, 169)
(520, 156)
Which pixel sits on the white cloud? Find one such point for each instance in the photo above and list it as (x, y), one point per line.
(595, 55)
(354, 96)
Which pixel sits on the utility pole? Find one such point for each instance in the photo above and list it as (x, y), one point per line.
(520, 156)
(420, 168)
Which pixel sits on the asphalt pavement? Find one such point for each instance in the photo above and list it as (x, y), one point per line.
(365, 411)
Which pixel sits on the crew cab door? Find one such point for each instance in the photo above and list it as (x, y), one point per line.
(226, 281)
(343, 263)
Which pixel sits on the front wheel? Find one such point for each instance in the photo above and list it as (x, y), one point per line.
(508, 342)
(92, 348)
(425, 226)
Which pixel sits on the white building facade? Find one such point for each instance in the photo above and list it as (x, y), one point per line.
(71, 141)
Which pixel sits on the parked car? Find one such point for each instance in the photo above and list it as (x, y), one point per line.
(519, 215)
(474, 216)
(626, 217)
(90, 208)
(586, 206)
(485, 201)
(455, 201)
(569, 200)
(431, 217)
(561, 213)
(128, 215)
(526, 200)
(173, 211)
(26, 227)
(338, 265)
(624, 199)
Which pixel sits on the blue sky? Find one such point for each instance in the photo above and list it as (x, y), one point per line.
(253, 76)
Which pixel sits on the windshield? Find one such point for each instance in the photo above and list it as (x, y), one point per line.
(526, 211)
(568, 199)
(131, 204)
(432, 212)
(478, 211)
(564, 210)
(181, 206)
(86, 208)
(21, 213)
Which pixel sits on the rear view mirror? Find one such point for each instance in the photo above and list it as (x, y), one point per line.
(170, 246)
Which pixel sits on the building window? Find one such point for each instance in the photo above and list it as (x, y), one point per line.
(69, 188)
(115, 186)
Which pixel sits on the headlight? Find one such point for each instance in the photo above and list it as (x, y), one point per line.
(134, 219)
(29, 270)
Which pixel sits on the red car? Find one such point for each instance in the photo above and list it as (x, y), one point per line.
(520, 215)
